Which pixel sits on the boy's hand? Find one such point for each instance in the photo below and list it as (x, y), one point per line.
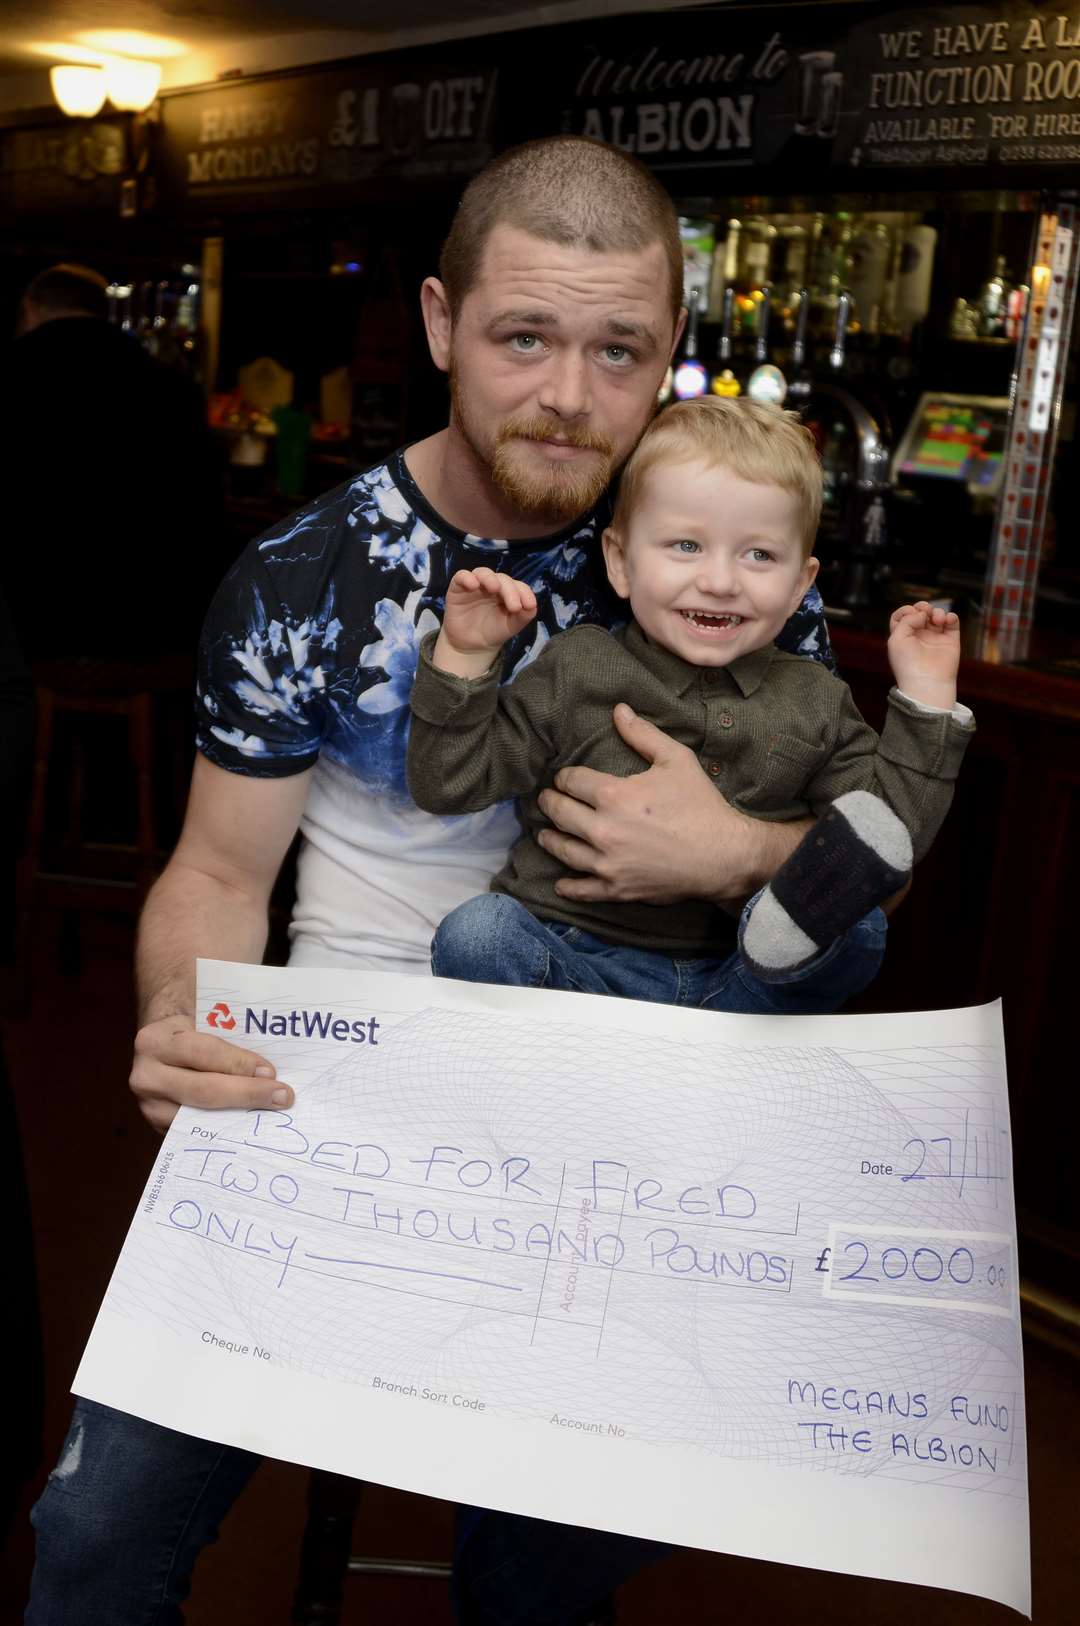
(483, 610)
(924, 653)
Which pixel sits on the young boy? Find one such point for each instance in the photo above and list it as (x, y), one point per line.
(710, 543)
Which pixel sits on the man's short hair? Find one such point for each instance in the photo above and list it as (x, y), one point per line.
(568, 190)
(759, 443)
(69, 289)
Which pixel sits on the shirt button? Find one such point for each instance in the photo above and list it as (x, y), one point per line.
(714, 768)
(726, 720)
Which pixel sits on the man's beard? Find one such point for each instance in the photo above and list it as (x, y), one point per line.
(559, 492)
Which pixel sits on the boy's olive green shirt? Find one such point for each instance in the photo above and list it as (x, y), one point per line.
(780, 737)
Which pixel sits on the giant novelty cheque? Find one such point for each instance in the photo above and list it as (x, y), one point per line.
(739, 1283)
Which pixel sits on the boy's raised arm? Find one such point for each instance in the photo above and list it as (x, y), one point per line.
(483, 611)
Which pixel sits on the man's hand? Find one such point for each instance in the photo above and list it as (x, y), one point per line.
(211, 899)
(661, 835)
(175, 1066)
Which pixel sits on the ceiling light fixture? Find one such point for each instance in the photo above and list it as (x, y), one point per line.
(131, 86)
(79, 92)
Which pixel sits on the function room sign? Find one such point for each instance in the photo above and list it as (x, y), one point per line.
(327, 130)
(835, 87)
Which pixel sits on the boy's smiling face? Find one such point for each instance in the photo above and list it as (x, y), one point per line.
(712, 564)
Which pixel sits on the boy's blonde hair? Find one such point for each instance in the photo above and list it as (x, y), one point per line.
(759, 443)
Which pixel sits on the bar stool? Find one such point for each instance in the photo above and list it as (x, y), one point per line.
(327, 1559)
(63, 863)
(326, 1556)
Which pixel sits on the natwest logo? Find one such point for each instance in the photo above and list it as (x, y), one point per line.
(220, 1016)
(310, 1025)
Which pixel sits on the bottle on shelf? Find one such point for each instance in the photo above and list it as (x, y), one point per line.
(870, 248)
(747, 256)
(698, 239)
(187, 319)
(755, 253)
(822, 280)
(144, 320)
(914, 276)
(189, 299)
(992, 302)
(790, 269)
(1016, 304)
(842, 251)
(159, 339)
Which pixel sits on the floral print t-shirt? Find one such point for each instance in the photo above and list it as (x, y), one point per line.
(307, 660)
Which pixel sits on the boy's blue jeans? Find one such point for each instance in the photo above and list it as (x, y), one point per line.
(493, 938)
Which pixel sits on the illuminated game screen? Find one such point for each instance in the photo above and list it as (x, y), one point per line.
(956, 437)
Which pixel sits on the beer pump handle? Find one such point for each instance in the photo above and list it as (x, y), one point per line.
(723, 354)
(761, 342)
(844, 306)
(692, 303)
(690, 378)
(798, 347)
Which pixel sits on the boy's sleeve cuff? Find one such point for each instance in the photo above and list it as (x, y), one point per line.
(957, 711)
(926, 739)
(441, 697)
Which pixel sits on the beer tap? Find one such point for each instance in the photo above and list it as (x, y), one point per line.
(724, 352)
(861, 495)
(865, 515)
(799, 387)
(766, 383)
(691, 378)
(724, 382)
(761, 339)
(844, 308)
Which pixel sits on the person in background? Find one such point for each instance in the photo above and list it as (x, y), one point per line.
(113, 531)
(555, 315)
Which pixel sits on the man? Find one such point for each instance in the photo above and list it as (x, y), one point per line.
(556, 314)
(112, 483)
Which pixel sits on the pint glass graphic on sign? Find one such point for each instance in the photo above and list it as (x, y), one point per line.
(829, 104)
(813, 66)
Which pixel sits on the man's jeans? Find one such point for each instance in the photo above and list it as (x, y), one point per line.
(123, 1518)
(130, 1506)
(493, 938)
